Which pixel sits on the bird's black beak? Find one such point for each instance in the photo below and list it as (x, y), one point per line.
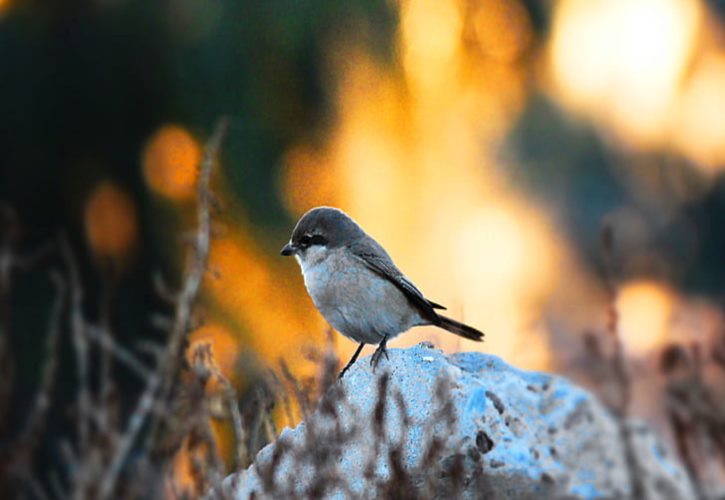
(288, 249)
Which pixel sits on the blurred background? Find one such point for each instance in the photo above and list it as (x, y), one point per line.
(486, 144)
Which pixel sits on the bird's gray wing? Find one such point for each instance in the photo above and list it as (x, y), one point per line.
(377, 259)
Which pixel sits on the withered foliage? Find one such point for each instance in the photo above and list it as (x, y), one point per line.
(695, 412)
(438, 473)
(694, 409)
(164, 445)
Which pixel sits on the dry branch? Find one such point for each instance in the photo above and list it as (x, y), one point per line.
(125, 356)
(80, 346)
(618, 362)
(161, 380)
(16, 457)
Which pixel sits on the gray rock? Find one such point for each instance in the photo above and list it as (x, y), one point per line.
(466, 425)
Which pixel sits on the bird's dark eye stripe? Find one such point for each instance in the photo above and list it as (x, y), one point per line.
(316, 239)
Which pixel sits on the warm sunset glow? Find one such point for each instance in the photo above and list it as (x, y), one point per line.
(492, 235)
(622, 61)
(110, 221)
(171, 161)
(278, 325)
(645, 311)
(502, 28)
(411, 160)
(431, 32)
(307, 182)
(493, 254)
(700, 128)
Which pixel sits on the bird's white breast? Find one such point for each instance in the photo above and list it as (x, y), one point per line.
(357, 302)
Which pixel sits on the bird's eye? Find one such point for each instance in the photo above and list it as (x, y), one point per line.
(305, 241)
(312, 239)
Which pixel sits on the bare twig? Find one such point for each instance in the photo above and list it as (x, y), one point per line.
(8, 265)
(619, 365)
(162, 288)
(17, 456)
(56, 486)
(11, 261)
(70, 459)
(241, 455)
(160, 382)
(619, 362)
(150, 348)
(37, 489)
(198, 267)
(80, 346)
(302, 397)
(106, 342)
(683, 399)
(47, 381)
(106, 385)
(282, 393)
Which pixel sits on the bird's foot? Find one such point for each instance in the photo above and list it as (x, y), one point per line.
(379, 352)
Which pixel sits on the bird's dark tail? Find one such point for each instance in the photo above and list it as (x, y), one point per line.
(458, 328)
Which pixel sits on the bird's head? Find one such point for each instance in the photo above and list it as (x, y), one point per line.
(319, 230)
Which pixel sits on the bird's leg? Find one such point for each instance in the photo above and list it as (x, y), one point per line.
(353, 359)
(379, 353)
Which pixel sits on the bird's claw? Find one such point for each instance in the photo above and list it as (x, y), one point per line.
(379, 352)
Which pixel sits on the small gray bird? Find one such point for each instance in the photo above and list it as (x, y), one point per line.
(356, 286)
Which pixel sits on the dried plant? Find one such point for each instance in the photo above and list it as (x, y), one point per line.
(116, 452)
(113, 452)
(328, 432)
(618, 363)
(696, 417)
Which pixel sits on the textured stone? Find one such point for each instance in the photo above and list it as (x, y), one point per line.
(497, 432)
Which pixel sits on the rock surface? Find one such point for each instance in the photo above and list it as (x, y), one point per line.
(466, 425)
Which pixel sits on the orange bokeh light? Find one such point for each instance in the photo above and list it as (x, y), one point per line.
(171, 162)
(431, 35)
(700, 129)
(306, 181)
(621, 62)
(645, 311)
(502, 28)
(110, 221)
(650, 71)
